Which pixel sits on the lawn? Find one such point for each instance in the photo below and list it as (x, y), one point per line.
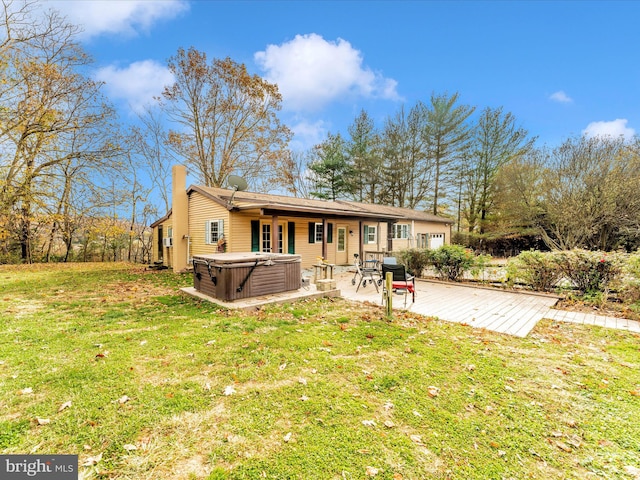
(112, 363)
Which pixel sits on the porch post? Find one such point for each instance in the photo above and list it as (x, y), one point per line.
(275, 234)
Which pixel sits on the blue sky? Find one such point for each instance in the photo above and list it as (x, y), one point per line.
(562, 68)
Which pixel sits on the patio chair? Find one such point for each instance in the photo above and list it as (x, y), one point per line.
(401, 281)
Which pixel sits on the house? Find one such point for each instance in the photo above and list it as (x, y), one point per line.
(207, 220)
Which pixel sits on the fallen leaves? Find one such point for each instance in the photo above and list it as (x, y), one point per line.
(129, 447)
(433, 391)
(287, 437)
(371, 471)
(64, 406)
(91, 461)
(369, 423)
(25, 391)
(229, 390)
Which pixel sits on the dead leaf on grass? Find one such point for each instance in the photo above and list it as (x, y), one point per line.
(129, 447)
(25, 391)
(433, 391)
(371, 471)
(91, 461)
(389, 424)
(287, 437)
(283, 366)
(43, 421)
(123, 399)
(563, 446)
(417, 439)
(229, 390)
(633, 471)
(64, 406)
(369, 423)
(388, 406)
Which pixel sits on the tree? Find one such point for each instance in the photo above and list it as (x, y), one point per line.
(408, 174)
(363, 150)
(226, 119)
(51, 113)
(496, 141)
(295, 178)
(330, 170)
(150, 141)
(591, 199)
(447, 136)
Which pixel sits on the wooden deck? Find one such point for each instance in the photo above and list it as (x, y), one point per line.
(512, 313)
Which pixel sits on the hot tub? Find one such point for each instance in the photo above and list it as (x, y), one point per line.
(231, 276)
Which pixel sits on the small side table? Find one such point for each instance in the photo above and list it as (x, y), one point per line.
(323, 276)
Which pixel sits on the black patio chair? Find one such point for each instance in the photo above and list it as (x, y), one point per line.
(401, 281)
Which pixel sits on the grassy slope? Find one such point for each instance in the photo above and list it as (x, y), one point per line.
(561, 403)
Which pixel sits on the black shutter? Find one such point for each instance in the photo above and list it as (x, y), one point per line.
(330, 233)
(312, 232)
(291, 237)
(255, 235)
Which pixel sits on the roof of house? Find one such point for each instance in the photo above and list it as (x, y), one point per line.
(161, 220)
(281, 203)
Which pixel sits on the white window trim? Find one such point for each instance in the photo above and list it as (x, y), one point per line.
(208, 240)
(404, 231)
(319, 233)
(372, 230)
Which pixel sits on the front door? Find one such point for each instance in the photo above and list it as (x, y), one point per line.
(341, 246)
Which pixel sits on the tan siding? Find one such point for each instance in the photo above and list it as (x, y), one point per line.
(167, 252)
(201, 210)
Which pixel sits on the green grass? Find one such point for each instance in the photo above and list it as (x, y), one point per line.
(562, 403)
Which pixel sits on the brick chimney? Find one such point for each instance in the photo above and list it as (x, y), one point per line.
(180, 218)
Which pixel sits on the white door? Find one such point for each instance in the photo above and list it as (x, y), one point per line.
(341, 246)
(436, 240)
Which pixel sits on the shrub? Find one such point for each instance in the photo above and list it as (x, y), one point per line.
(451, 261)
(630, 291)
(590, 272)
(415, 259)
(536, 269)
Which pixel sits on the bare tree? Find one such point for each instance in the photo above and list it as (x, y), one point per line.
(497, 140)
(226, 119)
(50, 103)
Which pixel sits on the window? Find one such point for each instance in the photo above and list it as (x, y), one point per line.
(370, 234)
(213, 231)
(401, 231)
(319, 232)
(316, 232)
(266, 238)
(169, 232)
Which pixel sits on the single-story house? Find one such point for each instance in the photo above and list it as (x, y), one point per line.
(206, 220)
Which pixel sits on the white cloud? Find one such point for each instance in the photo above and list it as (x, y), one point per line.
(560, 97)
(614, 128)
(312, 72)
(137, 84)
(307, 134)
(120, 17)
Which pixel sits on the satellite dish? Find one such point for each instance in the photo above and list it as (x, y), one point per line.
(237, 183)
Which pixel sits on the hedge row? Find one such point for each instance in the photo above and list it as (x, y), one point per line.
(587, 272)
